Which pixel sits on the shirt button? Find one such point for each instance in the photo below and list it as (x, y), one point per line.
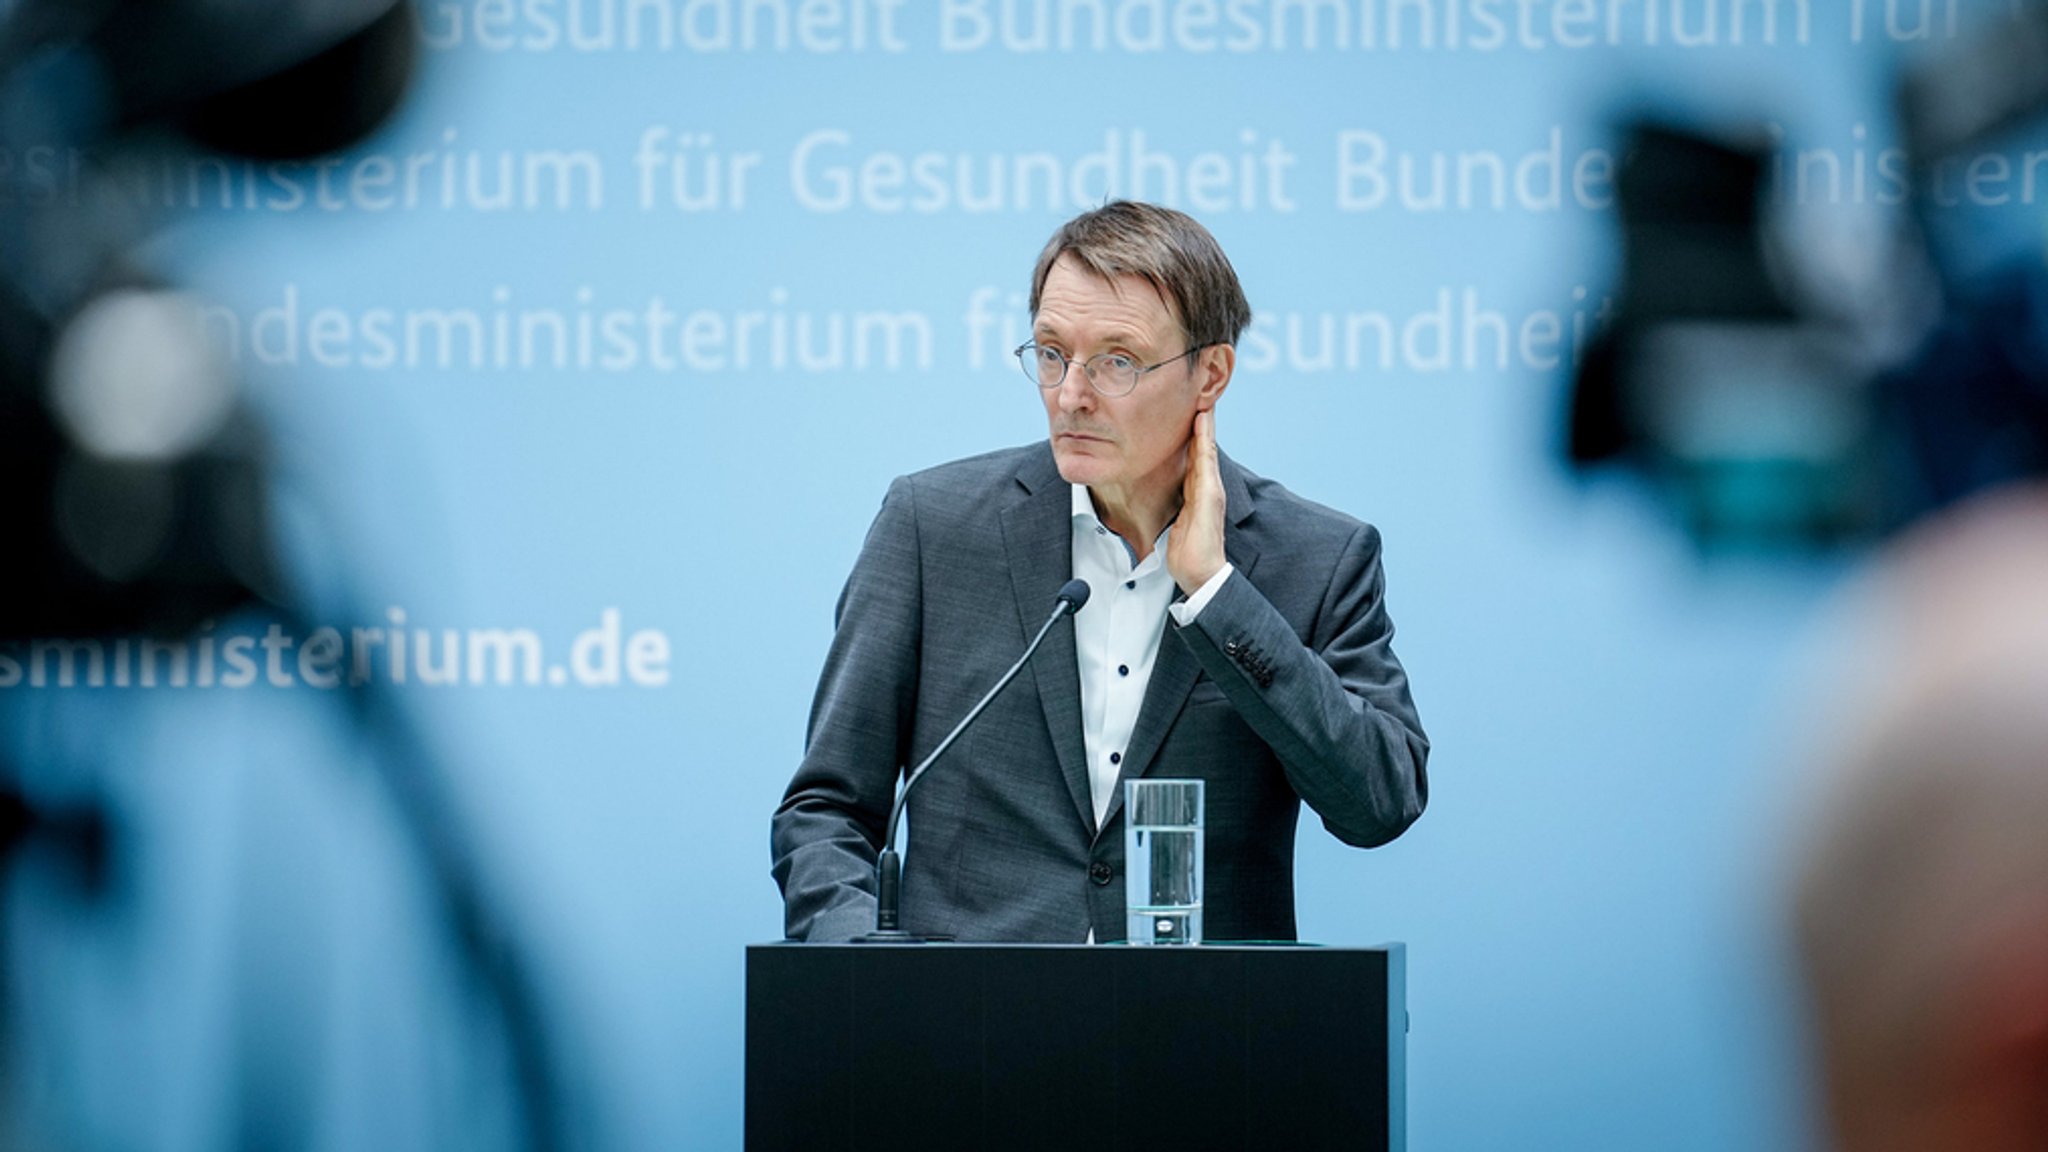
(1101, 531)
(1123, 669)
(1099, 872)
(1116, 757)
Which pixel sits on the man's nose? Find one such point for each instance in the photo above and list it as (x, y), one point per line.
(1075, 391)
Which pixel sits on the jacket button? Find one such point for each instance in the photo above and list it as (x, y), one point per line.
(1230, 649)
(1099, 872)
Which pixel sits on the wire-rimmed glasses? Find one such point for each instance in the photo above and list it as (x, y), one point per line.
(1109, 373)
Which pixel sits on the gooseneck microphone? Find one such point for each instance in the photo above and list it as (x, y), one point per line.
(889, 866)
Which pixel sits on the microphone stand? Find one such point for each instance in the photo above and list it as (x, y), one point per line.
(889, 865)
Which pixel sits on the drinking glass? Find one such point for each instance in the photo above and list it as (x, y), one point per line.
(1163, 860)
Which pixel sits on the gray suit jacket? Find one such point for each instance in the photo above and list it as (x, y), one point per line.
(1284, 689)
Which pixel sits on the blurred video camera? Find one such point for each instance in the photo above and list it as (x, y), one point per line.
(132, 481)
(1768, 404)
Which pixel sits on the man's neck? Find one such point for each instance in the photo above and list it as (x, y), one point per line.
(1137, 517)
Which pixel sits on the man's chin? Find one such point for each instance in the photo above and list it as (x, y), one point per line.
(1078, 467)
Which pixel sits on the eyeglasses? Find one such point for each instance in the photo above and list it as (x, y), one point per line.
(1110, 373)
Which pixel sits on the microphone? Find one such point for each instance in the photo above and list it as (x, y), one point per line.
(1072, 597)
(1074, 593)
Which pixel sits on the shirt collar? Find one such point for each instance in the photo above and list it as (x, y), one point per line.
(1084, 512)
(1084, 504)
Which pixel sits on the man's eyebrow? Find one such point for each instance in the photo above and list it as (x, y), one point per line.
(1115, 338)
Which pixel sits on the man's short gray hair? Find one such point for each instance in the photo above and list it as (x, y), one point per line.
(1168, 250)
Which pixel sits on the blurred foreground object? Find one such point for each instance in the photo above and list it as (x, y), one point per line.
(1922, 899)
(132, 482)
(1767, 407)
(135, 480)
(1741, 405)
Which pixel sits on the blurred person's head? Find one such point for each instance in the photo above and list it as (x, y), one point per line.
(1922, 903)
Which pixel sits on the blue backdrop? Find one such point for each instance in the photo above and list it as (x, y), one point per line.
(637, 309)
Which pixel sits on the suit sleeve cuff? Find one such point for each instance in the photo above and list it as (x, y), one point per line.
(1184, 613)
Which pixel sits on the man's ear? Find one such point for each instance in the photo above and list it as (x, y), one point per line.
(1213, 366)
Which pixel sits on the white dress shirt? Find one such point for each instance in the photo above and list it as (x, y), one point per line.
(1117, 636)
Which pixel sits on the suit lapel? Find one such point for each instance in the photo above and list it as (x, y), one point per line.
(1039, 541)
(1175, 668)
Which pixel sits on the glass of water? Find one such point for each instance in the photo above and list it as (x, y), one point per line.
(1163, 861)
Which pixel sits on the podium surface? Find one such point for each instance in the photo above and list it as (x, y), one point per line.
(977, 1046)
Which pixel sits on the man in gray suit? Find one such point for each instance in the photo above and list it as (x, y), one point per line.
(1237, 634)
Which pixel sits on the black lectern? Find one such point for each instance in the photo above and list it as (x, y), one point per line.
(985, 1047)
